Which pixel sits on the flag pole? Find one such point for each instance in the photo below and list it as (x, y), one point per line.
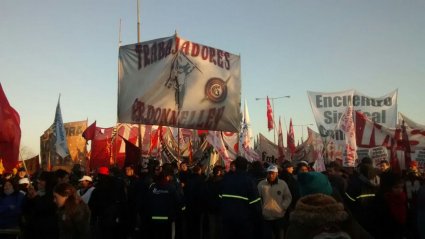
(114, 139)
(140, 141)
(178, 114)
(138, 22)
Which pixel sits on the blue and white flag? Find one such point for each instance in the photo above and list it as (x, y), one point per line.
(59, 140)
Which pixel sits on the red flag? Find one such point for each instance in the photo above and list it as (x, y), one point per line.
(90, 131)
(10, 132)
(101, 148)
(280, 146)
(270, 120)
(290, 139)
(132, 153)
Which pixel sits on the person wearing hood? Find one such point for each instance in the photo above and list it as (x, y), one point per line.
(318, 214)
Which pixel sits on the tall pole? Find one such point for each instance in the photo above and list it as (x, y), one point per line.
(138, 22)
(140, 141)
(115, 138)
(274, 122)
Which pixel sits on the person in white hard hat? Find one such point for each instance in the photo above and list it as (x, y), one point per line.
(275, 200)
(86, 188)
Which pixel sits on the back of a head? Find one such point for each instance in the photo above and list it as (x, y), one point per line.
(61, 173)
(314, 182)
(367, 170)
(68, 191)
(217, 169)
(367, 160)
(197, 170)
(241, 163)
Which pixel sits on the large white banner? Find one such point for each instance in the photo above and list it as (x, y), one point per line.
(176, 82)
(329, 107)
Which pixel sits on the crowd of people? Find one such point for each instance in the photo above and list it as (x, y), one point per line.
(249, 200)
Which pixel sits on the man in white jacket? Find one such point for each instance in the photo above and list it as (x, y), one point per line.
(275, 199)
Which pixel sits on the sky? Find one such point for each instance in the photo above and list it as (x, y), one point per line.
(53, 47)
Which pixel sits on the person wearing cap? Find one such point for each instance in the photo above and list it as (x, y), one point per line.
(20, 174)
(107, 203)
(23, 185)
(275, 200)
(86, 188)
(412, 182)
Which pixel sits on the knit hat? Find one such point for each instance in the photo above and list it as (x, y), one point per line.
(314, 182)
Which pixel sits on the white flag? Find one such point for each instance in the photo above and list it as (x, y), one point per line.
(346, 124)
(216, 140)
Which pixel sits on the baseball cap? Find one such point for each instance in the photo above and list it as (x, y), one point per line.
(24, 181)
(272, 168)
(86, 178)
(103, 170)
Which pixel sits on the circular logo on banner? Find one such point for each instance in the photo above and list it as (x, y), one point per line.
(216, 90)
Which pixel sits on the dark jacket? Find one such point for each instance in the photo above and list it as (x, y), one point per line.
(107, 205)
(163, 202)
(39, 217)
(240, 199)
(75, 226)
(10, 209)
(210, 194)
